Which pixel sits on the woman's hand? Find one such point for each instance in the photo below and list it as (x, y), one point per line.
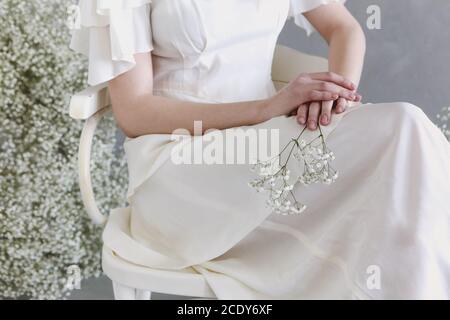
(325, 86)
(320, 112)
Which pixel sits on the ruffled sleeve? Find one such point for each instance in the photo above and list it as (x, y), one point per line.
(298, 7)
(110, 32)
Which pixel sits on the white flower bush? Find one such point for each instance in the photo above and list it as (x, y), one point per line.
(43, 226)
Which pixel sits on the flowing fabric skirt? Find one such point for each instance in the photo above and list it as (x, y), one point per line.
(381, 231)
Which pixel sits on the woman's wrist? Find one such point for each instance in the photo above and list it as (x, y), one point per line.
(267, 109)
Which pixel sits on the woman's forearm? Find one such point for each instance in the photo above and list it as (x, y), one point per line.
(150, 114)
(347, 46)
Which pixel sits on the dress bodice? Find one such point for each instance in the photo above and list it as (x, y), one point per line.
(214, 50)
(208, 49)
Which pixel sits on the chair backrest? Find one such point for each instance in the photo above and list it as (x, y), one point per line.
(289, 63)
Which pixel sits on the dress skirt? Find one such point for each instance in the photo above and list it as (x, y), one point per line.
(381, 231)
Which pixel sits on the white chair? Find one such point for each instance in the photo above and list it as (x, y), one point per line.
(130, 281)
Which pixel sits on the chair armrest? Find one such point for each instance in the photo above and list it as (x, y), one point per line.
(89, 101)
(84, 160)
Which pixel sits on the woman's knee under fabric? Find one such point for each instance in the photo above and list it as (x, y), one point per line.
(387, 119)
(401, 113)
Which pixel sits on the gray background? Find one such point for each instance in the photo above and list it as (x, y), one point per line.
(407, 60)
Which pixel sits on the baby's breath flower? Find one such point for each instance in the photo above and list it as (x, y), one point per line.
(274, 178)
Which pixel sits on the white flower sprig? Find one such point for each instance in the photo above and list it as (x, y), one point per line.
(276, 178)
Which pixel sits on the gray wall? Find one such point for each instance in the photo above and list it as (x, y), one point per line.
(408, 59)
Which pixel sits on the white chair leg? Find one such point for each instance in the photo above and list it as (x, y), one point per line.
(122, 292)
(143, 294)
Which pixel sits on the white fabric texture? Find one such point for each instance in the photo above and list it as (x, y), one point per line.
(389, 209)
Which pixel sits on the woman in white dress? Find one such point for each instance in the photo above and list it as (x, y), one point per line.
(381, 231)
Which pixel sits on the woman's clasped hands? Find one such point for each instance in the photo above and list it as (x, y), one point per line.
(313, 97)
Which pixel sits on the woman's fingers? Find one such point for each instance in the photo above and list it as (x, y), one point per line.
(335, 91)
(313, 114)
(325, 115)
(316, 95)
(335, 78)
(319, 112)
(302, 113)
(341, 105)
(307, 87)
(342, 92)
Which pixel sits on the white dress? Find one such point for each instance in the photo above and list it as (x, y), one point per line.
(387, 215)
